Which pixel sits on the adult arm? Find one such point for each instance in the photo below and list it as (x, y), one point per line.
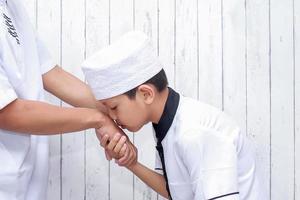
(69, 88)
(34, 117)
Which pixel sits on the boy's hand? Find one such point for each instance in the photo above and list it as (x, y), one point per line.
(132, 157)
(115, 148)
(119, 148)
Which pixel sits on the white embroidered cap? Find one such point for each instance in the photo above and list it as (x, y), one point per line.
(122, 66)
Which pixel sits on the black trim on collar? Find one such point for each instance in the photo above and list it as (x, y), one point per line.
(163, 126)
(225, 195)
(167, 116)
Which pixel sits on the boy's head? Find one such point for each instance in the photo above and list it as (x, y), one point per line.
(128, 78)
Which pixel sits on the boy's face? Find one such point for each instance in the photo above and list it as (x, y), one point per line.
(130, 114)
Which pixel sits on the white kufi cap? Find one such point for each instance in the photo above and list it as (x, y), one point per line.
(122, 66)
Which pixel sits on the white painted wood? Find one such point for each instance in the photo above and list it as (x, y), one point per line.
(234, 70)
(186, 61)
(73, 45)
(145, 19)
(121, 21)
(297, 96)
(258, 84)
(121, 18)
(166, 38)
(210, 52)
(48, 22)
(97, 167)
(282, 138)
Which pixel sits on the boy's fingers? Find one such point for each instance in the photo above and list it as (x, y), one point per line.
(133, 155)
(123, 150)
(104, 141)
(120, 145)
(125, 159)
(124, 156)
(113, 142)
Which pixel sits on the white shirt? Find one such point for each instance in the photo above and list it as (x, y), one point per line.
(206, 156)
(23, 59)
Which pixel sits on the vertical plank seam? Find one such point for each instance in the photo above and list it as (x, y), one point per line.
(222, 50)
(158, 16)
(36, 14)
(246, 64)
(133, 14)
(175, 52)
(198, 58)
(109, 21)
(294, 96)
(270, 100)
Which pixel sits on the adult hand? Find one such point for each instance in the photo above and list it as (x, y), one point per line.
(109, 128)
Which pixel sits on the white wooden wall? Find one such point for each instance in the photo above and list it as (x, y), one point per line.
(242, 56)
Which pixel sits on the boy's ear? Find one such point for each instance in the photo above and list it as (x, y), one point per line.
(147, 93)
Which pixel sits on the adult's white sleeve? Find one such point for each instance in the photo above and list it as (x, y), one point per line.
(211, 161)
(7, 92)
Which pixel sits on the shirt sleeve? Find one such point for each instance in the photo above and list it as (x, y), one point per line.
(7, 92)
(211, 161)
(46, 62)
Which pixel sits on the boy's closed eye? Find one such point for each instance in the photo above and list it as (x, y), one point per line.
(114, 108)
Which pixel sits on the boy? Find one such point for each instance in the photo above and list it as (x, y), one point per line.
(200, 149)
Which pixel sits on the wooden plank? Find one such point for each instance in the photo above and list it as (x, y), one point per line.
(258, 85)
(282, 109)
(234, 70)
(210, 52)
(48, 21)
(166, 38)
(166, 41)
(121, 18)
(73, 45)
(146, 20)
(97, 167)
(186, 55)
(297, 96)
(121, 21)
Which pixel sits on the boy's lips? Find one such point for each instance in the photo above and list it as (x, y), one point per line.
(120, 125)
(123, 127)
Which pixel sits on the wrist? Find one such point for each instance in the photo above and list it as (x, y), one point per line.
(96, 119)
(133, 166)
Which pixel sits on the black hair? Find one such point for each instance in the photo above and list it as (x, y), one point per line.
(159, 81)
